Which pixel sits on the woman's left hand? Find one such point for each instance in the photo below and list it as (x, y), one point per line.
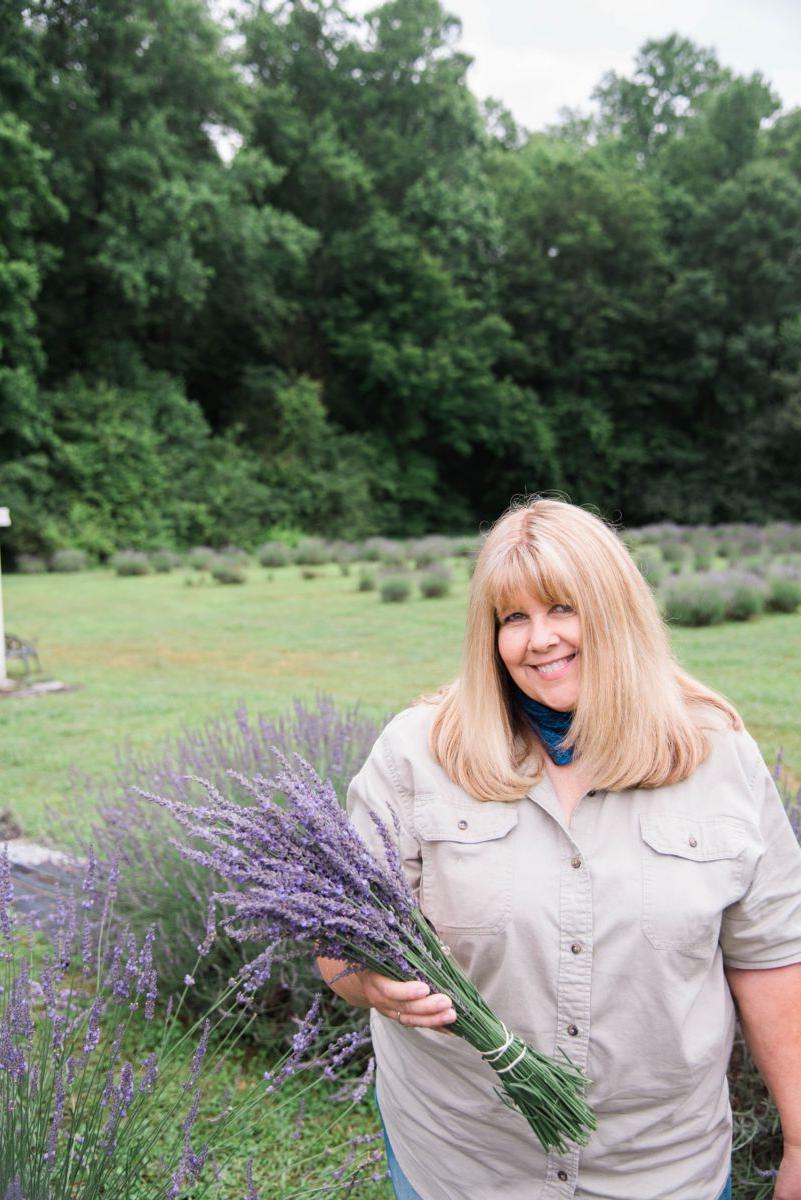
(788, 1181)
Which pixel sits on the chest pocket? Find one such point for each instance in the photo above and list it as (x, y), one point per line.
(468, 869)
(692, 868)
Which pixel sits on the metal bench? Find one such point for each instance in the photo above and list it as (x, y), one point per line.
(26, 651)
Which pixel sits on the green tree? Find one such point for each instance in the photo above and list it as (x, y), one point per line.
(386, 157)
(582, 268)
(27, 206)
(645, 111)
(127, 94)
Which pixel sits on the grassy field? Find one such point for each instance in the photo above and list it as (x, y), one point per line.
(150, 655)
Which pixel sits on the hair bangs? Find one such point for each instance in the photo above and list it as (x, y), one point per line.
(524, 570)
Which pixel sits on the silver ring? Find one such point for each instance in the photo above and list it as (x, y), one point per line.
(398, 1015)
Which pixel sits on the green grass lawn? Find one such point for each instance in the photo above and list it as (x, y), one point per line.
(150, 655)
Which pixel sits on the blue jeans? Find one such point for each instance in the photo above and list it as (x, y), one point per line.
(404, 1191)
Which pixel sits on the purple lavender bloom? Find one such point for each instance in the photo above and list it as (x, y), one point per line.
(89, 884)
(59, 1098)
(252, 1194)
(6, 896)
(301, 872)
(125, 1091)
(198, 1056)
(92, 1035)
(150, 1073)
(19, 1010)
(14, 1191)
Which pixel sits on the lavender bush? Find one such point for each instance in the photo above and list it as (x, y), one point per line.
(344, 554)
(744, 593)
(164, 561)
(385, 550)
(395, 588)
(430, 550)
(160, 887)
(68, 561)
(102, 1096)
(200, 558)
(649, 562)
(299, 875)
(131, 562)
(312, 552)
(435, 581)
(31, 564)
(784, 589)
(690, 600)
(274, 554)
(228, 569)
(77, 1115)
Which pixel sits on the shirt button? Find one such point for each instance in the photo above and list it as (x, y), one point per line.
(561, 1175)
(693, 842)
(575, 862)
(462, 825)
(572, 1030)
(576, 948)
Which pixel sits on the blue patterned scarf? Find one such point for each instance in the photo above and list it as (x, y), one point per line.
(549, 724)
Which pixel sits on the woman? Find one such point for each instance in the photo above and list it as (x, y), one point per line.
(599, 842)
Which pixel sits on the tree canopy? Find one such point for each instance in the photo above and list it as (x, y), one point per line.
(284, 269)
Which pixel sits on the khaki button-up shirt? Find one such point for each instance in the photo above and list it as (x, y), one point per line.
(604, 938)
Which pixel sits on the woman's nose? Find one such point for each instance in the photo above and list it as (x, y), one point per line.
(542, 634)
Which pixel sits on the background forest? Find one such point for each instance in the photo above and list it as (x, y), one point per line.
(282, 268)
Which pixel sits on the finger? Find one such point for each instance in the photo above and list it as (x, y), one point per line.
(427, 1007)
(391, 989)
(428, 1021)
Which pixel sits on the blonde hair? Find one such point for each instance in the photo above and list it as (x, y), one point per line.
(640, 720)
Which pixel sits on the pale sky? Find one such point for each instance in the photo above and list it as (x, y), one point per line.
(539, 56)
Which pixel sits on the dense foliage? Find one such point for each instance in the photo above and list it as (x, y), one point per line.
(389, 309)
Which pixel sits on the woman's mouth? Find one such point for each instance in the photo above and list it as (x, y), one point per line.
(556, 667)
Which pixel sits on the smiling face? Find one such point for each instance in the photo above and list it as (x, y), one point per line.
(539, 643)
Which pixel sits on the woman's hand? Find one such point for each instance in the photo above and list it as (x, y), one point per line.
(407, 1003)
(788, 1181)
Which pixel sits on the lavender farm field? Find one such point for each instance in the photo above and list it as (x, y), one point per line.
(151, 655)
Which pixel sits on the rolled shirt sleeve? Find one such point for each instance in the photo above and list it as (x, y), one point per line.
(763, 928)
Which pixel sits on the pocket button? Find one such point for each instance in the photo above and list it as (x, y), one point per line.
(693, 842)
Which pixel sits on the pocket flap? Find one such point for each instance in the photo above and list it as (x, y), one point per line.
(436, 823)
(701, 839)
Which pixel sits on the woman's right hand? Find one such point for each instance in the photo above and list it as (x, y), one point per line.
(407, 1003)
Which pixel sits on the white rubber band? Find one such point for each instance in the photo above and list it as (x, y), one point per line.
(503, 1070)
(491, 1055)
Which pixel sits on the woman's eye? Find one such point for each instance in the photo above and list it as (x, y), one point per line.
(564, 608)
(510, 617)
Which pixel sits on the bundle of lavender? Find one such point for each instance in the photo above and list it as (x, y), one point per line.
(300, 873)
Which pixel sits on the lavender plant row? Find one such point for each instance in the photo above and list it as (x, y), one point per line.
(299, 874)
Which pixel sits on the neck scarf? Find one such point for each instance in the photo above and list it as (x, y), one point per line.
(550, 726)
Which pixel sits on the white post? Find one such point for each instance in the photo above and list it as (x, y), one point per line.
(5, 520)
